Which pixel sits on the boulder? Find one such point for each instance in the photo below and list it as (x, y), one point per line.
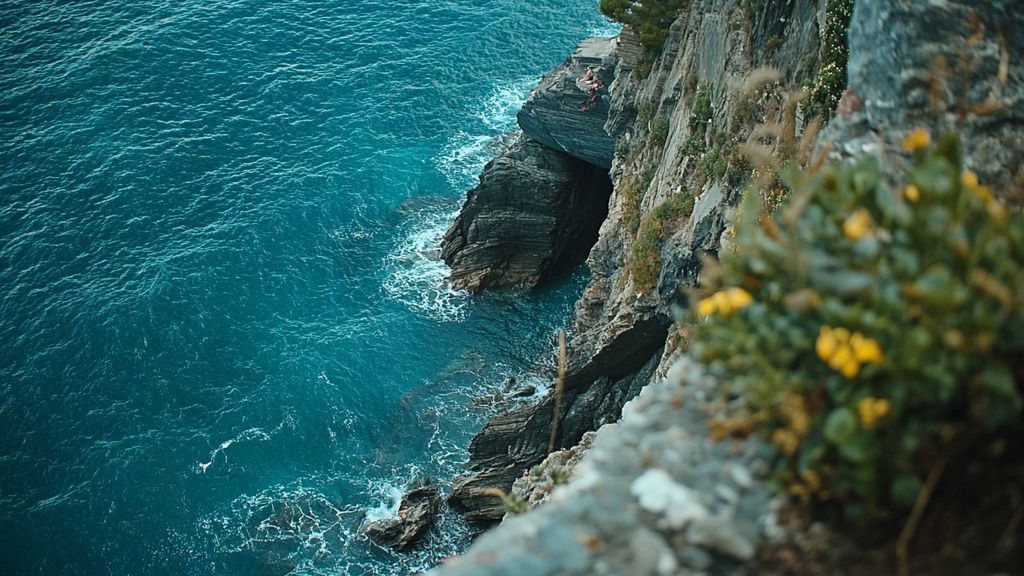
(416, 515)
(535, 213)
(958, 66)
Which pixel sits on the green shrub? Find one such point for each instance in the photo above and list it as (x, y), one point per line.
(702, 111)
(830, 79)
(632, 196)
(869, 330)
(622, 151)
(644, 114)
(713, 163)
(644, 262)
(659, 131)
(647, 176)
(700, 115)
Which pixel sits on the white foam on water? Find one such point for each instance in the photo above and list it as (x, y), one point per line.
(390, 496)
(416, 275)
(605, 28)
(286, 524)
(500, 108)
(466, 153)
(249, 434)
(464, 156)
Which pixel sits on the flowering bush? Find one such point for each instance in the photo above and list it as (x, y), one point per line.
(830, 79)
(871, 329)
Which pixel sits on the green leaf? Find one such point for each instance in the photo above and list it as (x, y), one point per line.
(839, 425)
(859, 448)
(1002, 401)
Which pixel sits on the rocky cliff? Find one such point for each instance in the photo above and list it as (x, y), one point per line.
(728, 81)
(539, 204)
(620, 330)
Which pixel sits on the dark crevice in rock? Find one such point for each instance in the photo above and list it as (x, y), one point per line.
(589, 215)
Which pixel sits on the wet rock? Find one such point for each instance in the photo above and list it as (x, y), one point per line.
(416, 515)
(534, 214)
(511, 443)
(525, 391)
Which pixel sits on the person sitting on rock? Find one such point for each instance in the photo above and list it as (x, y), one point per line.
(589, 76)
(593, 95)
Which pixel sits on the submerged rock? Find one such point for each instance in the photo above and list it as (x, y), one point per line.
(416, 515)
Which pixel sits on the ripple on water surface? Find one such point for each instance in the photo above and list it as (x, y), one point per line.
(227, 338)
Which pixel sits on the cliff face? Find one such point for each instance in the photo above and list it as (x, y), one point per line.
(528, 217)
(620, 335)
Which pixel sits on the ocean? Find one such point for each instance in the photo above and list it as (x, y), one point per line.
(225, 339)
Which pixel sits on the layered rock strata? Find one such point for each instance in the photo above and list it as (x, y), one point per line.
(538, 206)
(552, 114)
(535, 213)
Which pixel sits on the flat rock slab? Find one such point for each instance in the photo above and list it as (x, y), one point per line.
(552, 115)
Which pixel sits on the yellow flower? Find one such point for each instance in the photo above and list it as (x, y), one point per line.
(857, 224)
(725, 302)
(996, 210)
(722, 303)
(826, 345)
(872, 410)
(866, 350)
(969, 179)
(842, 335)
(918, 140)
(706, 307)
(739, 298)
(912, 193)
(846, 352)
(984, 193)
(844, 362)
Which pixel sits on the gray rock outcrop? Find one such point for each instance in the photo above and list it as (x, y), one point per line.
(552, 114)
(949, 65)
(654, 495)
(539, 204)
(416, 515)
(618, 327)
(534, 213)
(511, 443)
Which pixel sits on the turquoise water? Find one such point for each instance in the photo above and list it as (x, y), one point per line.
(224, 337)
